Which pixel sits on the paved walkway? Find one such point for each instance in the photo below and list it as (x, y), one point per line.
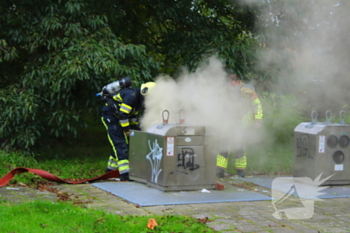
(330, 215)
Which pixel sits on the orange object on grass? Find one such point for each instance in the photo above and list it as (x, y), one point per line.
(152, 223)
(219, 186)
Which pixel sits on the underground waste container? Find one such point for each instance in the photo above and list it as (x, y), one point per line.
(172, 157)
(322, 148)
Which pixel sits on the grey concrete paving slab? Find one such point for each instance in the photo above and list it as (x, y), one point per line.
(233, 222)
(219, 226)
(250, 228)
(152, 196)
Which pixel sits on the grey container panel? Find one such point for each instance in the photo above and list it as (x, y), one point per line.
(144, 155)
(176, 130)
(181, 169)
(304, 154)
(186, 170)
(190, 140)
(194, 167)
(172, 162)
(314, 151)
(190, 165)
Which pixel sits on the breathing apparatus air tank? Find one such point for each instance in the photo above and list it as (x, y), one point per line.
(114, 87)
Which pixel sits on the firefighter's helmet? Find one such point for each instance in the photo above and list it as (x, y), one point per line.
(146, 87)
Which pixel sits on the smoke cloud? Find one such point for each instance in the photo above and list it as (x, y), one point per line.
(207, 100)
(307, 48)
(306, 52)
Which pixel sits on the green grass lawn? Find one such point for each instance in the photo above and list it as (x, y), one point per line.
(45, 216)
(83, 157)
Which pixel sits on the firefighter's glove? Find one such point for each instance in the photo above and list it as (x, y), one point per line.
(127, 133)
(113, 105)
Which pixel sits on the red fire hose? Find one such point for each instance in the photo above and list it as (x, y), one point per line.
(48, 176)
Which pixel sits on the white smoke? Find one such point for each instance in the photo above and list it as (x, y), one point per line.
(206, 99)
(307, 49)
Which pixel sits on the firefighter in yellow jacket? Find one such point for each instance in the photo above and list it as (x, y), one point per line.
(119, 115)
(254, 115)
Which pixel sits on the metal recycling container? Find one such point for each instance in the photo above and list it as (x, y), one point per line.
(322, 148)
(172, 157)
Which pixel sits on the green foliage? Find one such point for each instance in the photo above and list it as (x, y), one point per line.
(69, 159)
(55, 55)
(281, 115)
(66, 167)
(12, 160)
(66, 52)
(6, 53)
(199, 29)
(271, 158)
(273, 154)
(45, 216)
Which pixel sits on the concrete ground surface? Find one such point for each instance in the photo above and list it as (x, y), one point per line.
(329, 215)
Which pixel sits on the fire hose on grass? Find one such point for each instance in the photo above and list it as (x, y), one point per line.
(51, 177)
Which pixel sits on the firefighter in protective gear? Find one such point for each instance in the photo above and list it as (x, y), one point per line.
(119, 115)
(254, 115)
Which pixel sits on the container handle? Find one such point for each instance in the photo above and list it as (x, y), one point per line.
(165, 119)
(314, 115)
(313, 119)
(182, 116)
(328, 116)
(342, 117)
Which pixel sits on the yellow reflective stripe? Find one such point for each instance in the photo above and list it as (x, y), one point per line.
(256, 101)
(109, 138)
(124, 161)
(134, 121)
(118, 98)
(104, 123)
(221, 161)
(123, 166)
(112, 163)
(241, 163)
(125, 108)
(126, 139)
(124, 123)
(259, 112)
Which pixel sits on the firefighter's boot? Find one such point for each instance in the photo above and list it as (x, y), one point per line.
(240, 173)
(125, 177)
(220, 172)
